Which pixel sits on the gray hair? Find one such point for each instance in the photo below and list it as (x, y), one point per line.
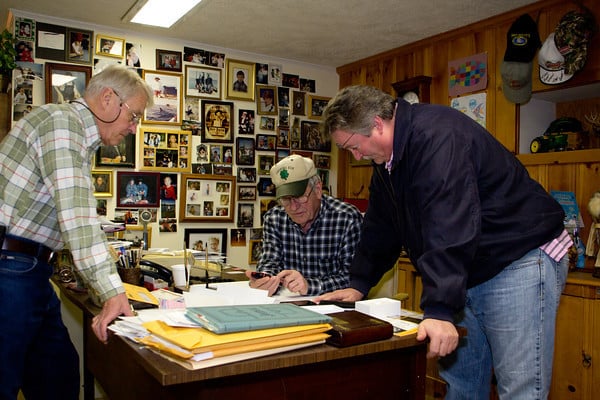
(124, 81)
(354, 108)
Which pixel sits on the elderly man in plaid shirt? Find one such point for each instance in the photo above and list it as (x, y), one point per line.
(309, 238)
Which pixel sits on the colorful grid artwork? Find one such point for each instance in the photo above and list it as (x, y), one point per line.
(467, 75)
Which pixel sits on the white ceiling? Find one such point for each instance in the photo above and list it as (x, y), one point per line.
(323, 32)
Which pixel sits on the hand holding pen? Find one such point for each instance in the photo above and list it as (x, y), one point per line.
(261, 280)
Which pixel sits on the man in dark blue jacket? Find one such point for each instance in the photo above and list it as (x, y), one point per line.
(488, 241)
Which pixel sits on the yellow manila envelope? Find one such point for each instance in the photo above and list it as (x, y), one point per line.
(199, 340)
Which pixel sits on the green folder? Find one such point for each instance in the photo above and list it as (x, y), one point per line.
(225, 319)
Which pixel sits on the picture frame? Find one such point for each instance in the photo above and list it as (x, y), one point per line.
(246, 122)
(102, 181)
(266, 100)
(121, 155)
(265, 162)
(316, 105)
(245, 151)
(246, 193)
(217, 120)
(267, 123)
(312, 139)
(283, 138)
(265, 187)
(240, 80)
(206, 198)
(167, 89)
(203, 82)
(254, 251)
(79, 46)
(322, 161)
(65, 82)
(135, 234)
(246, 174)
(138, 196)
(110, 46)
(215, 237)
(168, 60)
(166, 150)
(298, 103)
(245, 215)
(266, 142)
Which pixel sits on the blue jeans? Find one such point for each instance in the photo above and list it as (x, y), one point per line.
(37, 355)
(510, 323)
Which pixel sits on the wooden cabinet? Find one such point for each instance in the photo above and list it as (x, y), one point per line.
(576, 374)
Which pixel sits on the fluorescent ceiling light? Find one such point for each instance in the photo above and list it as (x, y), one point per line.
(163, 13)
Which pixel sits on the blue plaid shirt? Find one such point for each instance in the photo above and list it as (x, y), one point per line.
(322, 255)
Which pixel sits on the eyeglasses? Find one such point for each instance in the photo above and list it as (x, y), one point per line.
(134, 119)
(287, 201)
(343, 145)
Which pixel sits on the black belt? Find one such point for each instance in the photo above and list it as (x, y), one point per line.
(27, 247)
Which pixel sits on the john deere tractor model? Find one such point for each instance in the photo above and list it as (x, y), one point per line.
(556, 137)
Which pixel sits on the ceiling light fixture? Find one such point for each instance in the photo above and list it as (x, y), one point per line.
(162, 13)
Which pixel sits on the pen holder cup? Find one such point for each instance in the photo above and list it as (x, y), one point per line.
(130, 275)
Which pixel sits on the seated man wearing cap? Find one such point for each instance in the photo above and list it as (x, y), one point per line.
(309, 238)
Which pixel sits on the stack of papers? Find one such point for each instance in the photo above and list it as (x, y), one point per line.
(172, 335)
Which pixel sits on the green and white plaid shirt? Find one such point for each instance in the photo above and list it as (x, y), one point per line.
(46, 189)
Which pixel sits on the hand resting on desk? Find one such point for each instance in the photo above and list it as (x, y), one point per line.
(111, 309)
(346, 295)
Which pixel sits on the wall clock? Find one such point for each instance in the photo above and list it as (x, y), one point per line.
(414, 90)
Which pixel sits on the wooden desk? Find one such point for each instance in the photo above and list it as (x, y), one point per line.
(393, 368)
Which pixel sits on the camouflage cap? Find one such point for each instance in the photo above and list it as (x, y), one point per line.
(572, 36)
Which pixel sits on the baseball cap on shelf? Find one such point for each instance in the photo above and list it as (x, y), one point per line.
(572, 35)
(552, 63)
(522, 43)
(291, 175)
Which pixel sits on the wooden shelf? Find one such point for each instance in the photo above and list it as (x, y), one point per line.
(561, 157)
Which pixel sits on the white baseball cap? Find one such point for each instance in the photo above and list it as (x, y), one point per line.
(291, 175)
(552, 63)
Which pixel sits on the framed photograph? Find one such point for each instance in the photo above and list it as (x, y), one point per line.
(240, 80)
(267, 123)
(65, 82)
(102, 180)
(165, 150)
(266, 187)
(245, 154)
(284, 117)
(25, 29)
(245, 218)
(168, 60)
(312, 138)
(246, 122)
(246, 174)
(121, 155)
(299, 103)
(266, 100)
(135, 234)
(202, 82)
(110, 46)
(265, 162)
(275, 74)
(138, 189)
(254, 251)
(79, 43)
(218, 122)
(316, 105)
(322, 161)
(207, 198)
(214, 241)
(283, 96)
(166, 87)
(266, 142)
(246, 193)
(283, 138)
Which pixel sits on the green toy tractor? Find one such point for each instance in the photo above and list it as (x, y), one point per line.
(556, 137)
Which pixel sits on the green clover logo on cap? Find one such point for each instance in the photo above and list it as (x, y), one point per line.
(284, 174)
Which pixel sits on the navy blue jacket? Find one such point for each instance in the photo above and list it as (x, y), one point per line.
(457, 200)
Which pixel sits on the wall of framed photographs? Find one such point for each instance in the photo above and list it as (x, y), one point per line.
(221, 119)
